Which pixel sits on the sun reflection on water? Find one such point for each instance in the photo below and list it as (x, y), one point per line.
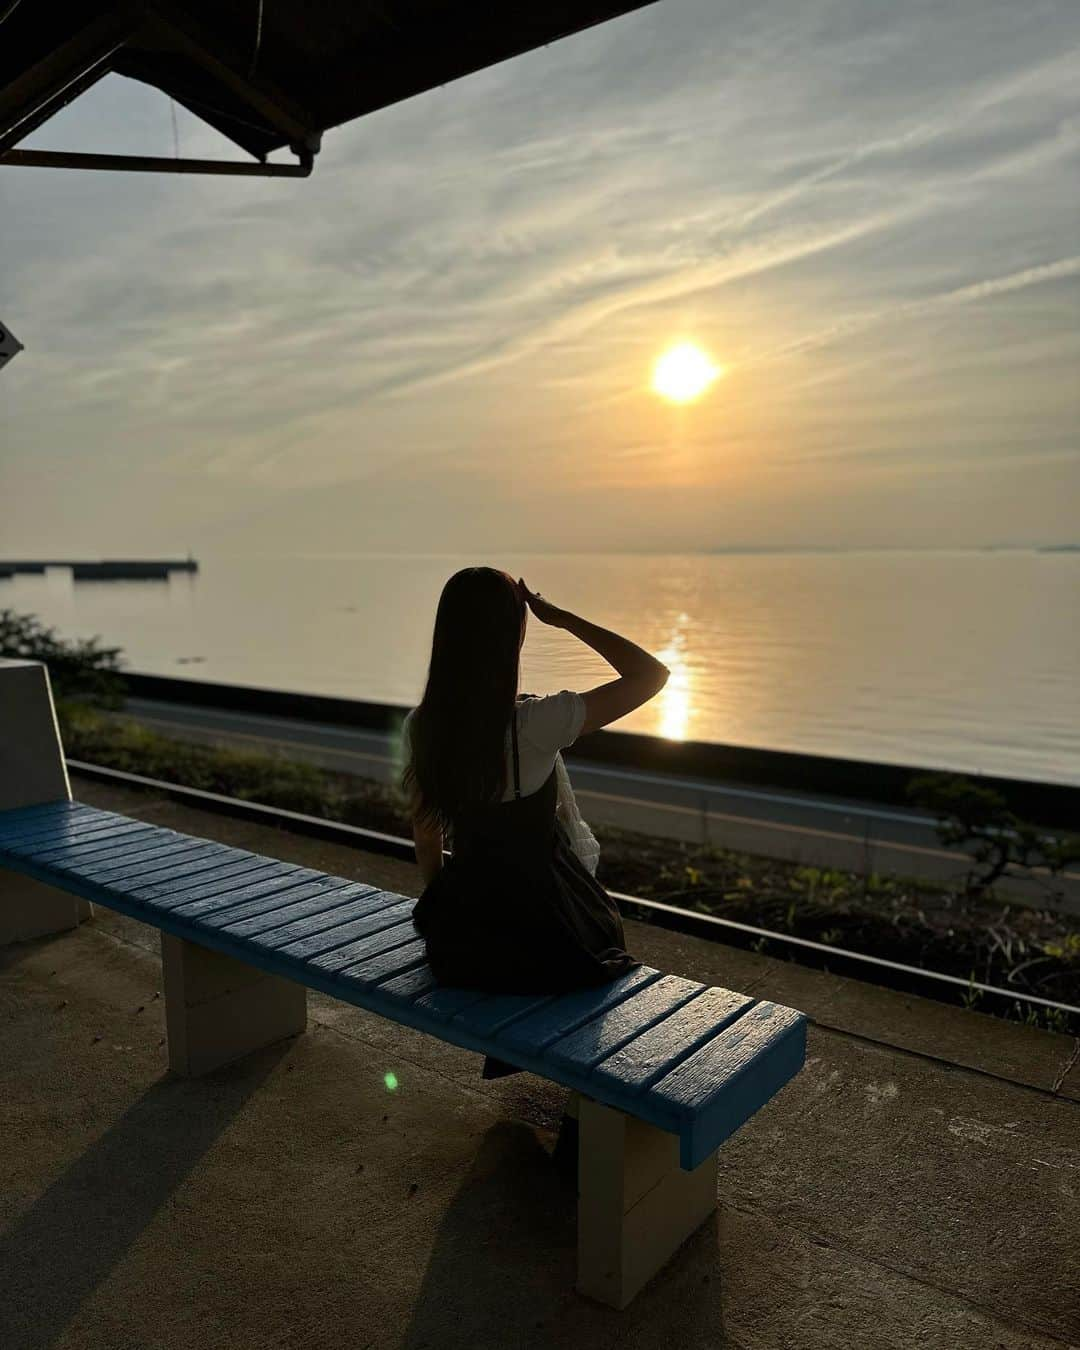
(675, 697)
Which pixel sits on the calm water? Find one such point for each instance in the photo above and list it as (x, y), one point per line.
(959, 660)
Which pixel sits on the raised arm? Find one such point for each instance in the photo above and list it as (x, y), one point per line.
(641, 675)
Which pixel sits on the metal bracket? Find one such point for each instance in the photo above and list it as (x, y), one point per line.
(70, 159)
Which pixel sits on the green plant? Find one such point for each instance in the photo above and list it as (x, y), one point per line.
(1056, 1020)
(1027, 1013)
(80, 669)
(1067, 950)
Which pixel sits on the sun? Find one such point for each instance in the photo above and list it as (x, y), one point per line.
(683, 373)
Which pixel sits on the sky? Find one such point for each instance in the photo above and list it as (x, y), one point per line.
(866, 213)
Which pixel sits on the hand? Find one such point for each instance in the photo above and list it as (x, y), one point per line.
(544, 610)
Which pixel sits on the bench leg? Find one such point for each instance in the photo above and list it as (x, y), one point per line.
(636, 1206)
(218, 1009)
(30, 909)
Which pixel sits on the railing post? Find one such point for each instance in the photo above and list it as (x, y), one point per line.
(32, 772)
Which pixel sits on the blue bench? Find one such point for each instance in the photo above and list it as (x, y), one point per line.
(666, 1068)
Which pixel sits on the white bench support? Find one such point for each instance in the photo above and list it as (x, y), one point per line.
(636, 1206)
(218, 1009)
(32, 771)
(29, 909)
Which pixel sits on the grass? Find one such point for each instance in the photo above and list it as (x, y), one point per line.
(905, 920)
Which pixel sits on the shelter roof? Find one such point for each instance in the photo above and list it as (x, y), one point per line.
(265, 73)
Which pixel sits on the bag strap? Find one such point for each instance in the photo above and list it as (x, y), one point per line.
(513, 735)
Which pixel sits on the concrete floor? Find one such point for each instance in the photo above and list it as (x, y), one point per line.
(918, 1185)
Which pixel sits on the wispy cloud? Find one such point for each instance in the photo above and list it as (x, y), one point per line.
(475, 282)
(1059, 270)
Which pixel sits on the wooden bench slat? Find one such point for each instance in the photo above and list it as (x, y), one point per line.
(75, 820)
(405, 988)
(385, 965)
(307, 916)
(18, 818)
(712, 1092)
(166, 892)
(17, 815)
(59, 853)
(443, 1003)
(158, 883)
(72, 857)
(71, 825)
(275, 882)
(340, 958)
(351, 942)
(659, 1049)
(602, 1035)
(267, 904)
(108, 855)
(385, 917)
(537, 1031)
(168, 858)
(331, 919)
(485, 1019)
(147, 836)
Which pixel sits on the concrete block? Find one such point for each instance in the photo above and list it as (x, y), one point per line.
(32, 771)
(32, 768)
(636, 1206)
(218, 1009)
(29, 909)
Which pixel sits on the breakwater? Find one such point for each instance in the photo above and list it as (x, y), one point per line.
(108, 569)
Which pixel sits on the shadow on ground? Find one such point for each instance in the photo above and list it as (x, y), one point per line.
(502, 1267)
(71, 1238)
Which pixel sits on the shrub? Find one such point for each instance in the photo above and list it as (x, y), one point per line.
(978, 819)
(79, 669)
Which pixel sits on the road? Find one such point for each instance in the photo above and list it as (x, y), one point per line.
(801, 827)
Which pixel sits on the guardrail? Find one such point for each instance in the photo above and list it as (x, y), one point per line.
(836, 960)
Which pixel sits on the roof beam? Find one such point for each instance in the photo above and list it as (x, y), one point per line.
(64, 74)
(176, 29)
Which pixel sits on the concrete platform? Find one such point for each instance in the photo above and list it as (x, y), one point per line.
(918, 1185)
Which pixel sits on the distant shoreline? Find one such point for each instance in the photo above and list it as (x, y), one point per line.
(748, 550)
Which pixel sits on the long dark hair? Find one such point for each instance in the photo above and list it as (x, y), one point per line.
(458, 730)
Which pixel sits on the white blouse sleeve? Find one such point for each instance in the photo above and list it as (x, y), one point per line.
(554, 721)
(582, 839)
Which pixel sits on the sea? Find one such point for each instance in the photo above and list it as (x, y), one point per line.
(962, 660)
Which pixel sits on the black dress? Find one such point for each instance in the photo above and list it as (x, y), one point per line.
(514, 909)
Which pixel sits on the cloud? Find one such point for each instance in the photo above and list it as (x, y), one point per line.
(494, 265)
(1059, 270)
